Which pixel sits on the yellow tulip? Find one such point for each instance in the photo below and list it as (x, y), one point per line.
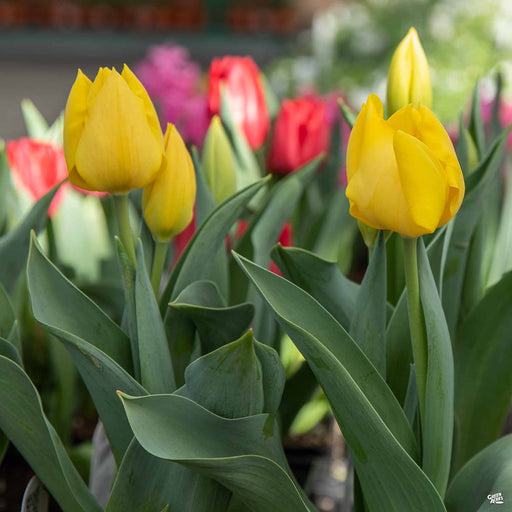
(168, 202)
(219, 162)
(409, 75)
(403, 173)
(112, 137)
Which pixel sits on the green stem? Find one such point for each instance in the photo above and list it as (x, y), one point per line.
(122, 204)
(158, 265)
(416, 318)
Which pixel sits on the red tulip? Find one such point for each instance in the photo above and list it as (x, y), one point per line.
(241, 79)
(37, 167)
(301, 133)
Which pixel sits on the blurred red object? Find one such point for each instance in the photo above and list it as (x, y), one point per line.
(37, 167)
(242, 82)
(301, 133)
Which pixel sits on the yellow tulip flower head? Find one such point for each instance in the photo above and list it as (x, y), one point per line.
(112, 137)
(409, 75)
(168, 202)
(403, 173)
(219, 162)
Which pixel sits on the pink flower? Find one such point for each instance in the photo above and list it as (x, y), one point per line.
(174, 83)
(37, 167)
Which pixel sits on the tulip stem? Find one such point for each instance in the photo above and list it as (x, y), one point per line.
(416, 318)
(122, 204)
(158, 265)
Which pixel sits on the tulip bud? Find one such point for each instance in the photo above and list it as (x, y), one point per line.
(112, 137)
(409, 75)
(403, 174)
(301, 133)
(219, 162)
(240, 78)
(168, 202)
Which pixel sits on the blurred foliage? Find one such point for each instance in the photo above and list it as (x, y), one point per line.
(349, 47)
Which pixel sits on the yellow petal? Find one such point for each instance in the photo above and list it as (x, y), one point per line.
(168, 202)
(117, 151)
(75, 116)
(420, 88)
(137, 88)
(99, 80)
(423, 181)
(374, 187)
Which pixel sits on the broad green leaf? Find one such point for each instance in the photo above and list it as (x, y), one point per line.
(321, 279)
(252, 379)
(478, 185)
(368, 325)
(487, 473)
(205, 204)
(242, 454)
(23, 421)
(62, 308)
(263, 233)
(169, 484)
(437, 426)
(208, 239)
(85, 335)
(372, 421)
(216, 324)
(15, 244)
(155, 360)
(483, 380)
(298, 390)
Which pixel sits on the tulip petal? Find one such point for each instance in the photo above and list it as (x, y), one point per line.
(168, 202)
(423, 181)
(137, 88)
(75, 116)
(420, 88)
(117, 151)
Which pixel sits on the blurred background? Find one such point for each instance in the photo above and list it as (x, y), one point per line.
(323, 45)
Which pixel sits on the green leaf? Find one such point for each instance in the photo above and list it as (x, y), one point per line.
(23, 421)
(248, 170)
(372, 421)
(478, 186)
(5, 177)
(476, 125)
(8, 323)
(242, 454)
(368, 326)
(321, 279)
(14, 246)
(155, 360)
(216, 324)
(262, 234)
(209, 238)
(170, 484)
(483, 380)
(97, 345)
(437, 431)
(35, 123)
(348, 114)
(249, 367)
(63, 309)
(485, 474)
